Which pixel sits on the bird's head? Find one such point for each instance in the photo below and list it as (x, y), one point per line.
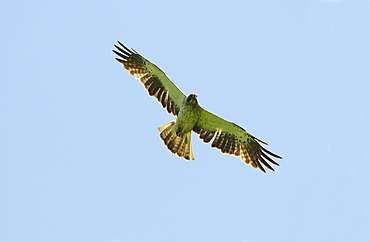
(192, 99)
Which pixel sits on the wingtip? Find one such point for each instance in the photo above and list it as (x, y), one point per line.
(130, 51)
(120, 60)
(261, 141)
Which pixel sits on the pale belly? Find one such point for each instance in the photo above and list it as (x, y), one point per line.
(186, 119)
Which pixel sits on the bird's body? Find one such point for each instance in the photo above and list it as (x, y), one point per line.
(188, 115)
(176, 135)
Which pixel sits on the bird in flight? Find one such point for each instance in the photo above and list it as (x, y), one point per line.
(229, 137)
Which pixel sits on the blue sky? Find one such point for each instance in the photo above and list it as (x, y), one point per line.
(80, 154)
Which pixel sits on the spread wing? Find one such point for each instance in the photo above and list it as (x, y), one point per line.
(234, 140)
(153, 78)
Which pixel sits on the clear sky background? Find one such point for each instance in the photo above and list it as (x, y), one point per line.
(80, 154)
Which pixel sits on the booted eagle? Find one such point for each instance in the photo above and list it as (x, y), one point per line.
(230, 138)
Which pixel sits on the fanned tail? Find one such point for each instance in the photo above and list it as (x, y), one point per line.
(176, 144)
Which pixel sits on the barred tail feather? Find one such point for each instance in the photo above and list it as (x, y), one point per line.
(176, 144)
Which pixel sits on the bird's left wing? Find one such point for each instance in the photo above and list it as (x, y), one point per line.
(153, 78)
(232, 139)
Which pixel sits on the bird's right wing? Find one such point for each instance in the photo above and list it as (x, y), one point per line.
(153, 78)
(232, 139)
